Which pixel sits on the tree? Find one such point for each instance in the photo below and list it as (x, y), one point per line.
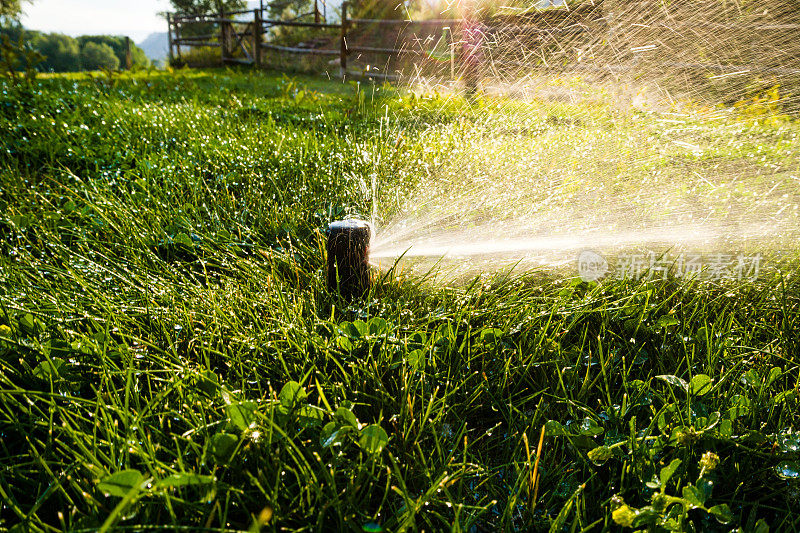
(206, 7)
(10, 9)
(119, 46)
(95, 56)
(16, 52)
(62, 52)
(288, 9)
(138, 56)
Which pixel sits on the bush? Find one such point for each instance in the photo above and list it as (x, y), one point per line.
(119, 46)
(199, 56)
(96, 56)
(61, 51)
(67, 54)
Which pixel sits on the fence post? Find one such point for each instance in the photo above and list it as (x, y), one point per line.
(177, 29)
(471, 53)
(223, 37)
(343, 44)
(169, 38)
(128, 54)
(257, 29)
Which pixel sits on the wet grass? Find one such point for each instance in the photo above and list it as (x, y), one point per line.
(170, 358)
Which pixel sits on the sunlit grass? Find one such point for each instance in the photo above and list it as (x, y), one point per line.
(169, 355)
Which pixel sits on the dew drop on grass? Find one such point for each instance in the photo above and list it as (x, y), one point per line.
(788, 470)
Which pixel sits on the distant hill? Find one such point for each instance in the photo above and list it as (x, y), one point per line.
(155, 46)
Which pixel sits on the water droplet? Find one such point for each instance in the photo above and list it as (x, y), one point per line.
(788, 470)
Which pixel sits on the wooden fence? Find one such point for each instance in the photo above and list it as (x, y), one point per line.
(243, 38)
(242, 41)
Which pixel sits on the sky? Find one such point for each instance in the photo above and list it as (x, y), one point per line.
(134, 18)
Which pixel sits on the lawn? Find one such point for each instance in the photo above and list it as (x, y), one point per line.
(170, 357)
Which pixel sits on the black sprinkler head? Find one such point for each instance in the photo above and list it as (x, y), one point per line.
(348, 257)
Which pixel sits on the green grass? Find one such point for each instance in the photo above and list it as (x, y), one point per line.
(169, 356)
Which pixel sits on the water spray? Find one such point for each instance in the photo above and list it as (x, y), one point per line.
(348, 257)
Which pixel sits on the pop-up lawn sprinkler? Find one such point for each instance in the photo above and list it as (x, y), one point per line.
(348, 257)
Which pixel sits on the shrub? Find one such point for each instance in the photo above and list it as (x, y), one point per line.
(199, 56)
(119, 46)
(61, 51)
(96, 56)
